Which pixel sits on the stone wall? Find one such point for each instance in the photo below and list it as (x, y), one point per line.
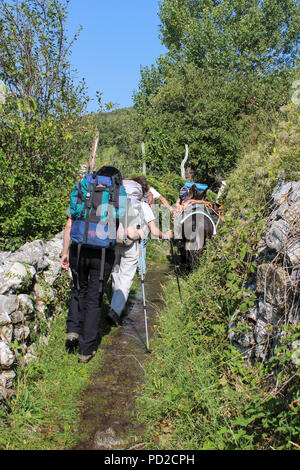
(257, 333)
(27, 302)
(27, 293)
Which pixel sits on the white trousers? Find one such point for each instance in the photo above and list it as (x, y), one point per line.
(126, 260)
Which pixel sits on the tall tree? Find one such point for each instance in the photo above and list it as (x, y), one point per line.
(228, 67)
(233, 35)
(34, 54)
(41, 129)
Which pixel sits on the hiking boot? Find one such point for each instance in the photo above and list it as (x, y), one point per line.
(113, 318)
(72, 341)
(85, 359)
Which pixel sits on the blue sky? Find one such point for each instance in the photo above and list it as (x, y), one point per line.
(118, 37)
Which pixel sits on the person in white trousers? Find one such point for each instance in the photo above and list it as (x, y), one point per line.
(150, 197)
(126, 257)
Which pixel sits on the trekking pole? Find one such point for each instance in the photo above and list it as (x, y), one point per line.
(144, 298)
(175, 268)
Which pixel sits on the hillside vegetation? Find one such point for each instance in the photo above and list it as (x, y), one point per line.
(229, 67)
(200, 393)
(225, 89)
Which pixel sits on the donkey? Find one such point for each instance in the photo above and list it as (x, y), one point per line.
(194, 227)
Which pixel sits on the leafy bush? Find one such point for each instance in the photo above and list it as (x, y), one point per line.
(168, 185)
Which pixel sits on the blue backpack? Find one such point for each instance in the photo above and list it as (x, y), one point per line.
(199, 186)
(184, 191)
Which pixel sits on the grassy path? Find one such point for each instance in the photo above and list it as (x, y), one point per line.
(108, 417)
(56, 397)
(44, 413)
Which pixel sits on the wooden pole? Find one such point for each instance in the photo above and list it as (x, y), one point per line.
(221, 190)
(144, 161)
(92, 161)
(184, 161)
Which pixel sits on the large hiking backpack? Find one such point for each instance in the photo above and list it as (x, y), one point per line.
(133, 214)
(135, 197)
(97, 204)
(96, 211)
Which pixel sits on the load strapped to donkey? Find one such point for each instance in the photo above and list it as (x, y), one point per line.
(197, 219)
(193, 195)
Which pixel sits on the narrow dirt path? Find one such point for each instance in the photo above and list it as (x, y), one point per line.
(108, 412)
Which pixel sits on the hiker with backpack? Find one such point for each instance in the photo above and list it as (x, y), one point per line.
(98, 203)
(141, 216)
(151, 195)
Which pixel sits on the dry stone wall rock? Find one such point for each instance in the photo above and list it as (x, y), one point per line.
(27, 288)
(258, 332)
(7, 357)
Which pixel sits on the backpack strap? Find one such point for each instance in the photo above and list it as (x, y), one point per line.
(88, 210)
(87, 199)
(115, 191)
(111, 224)
(114, 194)
(99, 212)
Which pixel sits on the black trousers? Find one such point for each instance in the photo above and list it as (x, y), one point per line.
(86, 302)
